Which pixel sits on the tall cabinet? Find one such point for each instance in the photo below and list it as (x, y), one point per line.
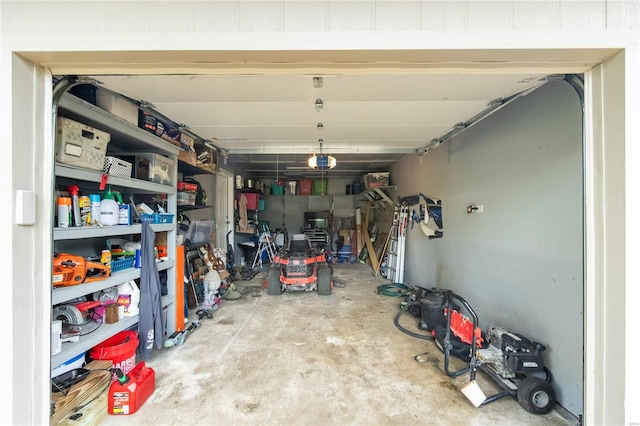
(125, 137)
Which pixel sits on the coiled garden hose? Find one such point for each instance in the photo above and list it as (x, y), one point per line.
(393, 290)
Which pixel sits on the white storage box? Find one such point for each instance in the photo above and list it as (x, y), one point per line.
(116, 167)
(117, 105)
(80, 145)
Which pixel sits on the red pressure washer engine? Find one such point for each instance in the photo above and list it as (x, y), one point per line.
(299, 267)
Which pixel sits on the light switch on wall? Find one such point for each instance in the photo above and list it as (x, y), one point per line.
(25, 207)
(475, 208)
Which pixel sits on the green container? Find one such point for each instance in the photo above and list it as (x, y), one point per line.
(277, 189)
(320, 187)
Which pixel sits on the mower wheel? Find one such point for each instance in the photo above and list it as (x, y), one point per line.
(536, 395)
(274, 288)
(324, 281)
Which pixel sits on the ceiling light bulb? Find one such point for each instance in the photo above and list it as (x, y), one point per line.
(322, 162)
(319, 104)
(320, 126)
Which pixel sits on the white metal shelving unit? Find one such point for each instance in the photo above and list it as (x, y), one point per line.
(124, 137)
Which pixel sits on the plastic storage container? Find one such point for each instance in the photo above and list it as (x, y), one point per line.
(199, 232)
(117, 105)
(80, 145)
(71, 364)
(161, 169)
(320, 187)
(291, 187)
(122, 264)
(186, 198)
(375, 180)
(117, 167)
(306, 186)
(252, 200)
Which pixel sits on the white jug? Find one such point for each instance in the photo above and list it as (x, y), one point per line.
(129, 298)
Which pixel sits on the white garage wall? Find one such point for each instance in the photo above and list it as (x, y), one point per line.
(519, 263)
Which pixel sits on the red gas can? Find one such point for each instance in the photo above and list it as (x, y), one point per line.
(128, 397)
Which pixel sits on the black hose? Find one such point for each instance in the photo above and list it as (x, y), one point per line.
(396, 321)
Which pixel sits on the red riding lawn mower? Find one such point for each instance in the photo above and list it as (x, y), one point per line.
(299, 267)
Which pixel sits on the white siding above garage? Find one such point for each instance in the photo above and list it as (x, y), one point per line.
(176, 16)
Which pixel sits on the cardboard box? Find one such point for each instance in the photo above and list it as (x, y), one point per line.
(187, 140)
(189, 157)
(161, 238)
(207, 158)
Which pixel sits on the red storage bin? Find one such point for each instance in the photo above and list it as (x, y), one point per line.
(306, 186)
(252, 200)
(187, 187)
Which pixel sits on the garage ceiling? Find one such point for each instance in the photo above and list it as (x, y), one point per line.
(268, 125)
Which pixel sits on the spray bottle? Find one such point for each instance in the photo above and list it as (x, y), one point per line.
(109, 207)
(74, 191)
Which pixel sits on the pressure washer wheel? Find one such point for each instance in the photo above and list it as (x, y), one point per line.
(274, 287)
(324, 281)
(536, 395)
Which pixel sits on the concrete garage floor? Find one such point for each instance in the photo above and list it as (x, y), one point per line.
(304, 359)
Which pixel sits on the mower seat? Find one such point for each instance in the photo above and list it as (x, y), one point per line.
(299, 245)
